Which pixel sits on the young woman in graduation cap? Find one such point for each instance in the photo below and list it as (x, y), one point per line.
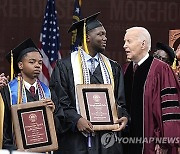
(77, 134)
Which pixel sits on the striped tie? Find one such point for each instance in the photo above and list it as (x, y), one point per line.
(92, 65)
(135, 67)
(32, 90)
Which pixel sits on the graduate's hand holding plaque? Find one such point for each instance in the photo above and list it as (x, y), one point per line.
(85, 126)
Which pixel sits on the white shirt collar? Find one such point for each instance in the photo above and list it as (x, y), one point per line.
(143, 59)
(28, 85)
(88, 57)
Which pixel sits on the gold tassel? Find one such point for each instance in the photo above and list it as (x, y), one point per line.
(174, 64)
(80, 2)
(84, 38)
(12, 69)
(20, 88)
(1, 120)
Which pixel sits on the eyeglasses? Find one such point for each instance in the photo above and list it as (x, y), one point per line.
(164, 59)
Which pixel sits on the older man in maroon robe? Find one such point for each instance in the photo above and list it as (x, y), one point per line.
(153, 97)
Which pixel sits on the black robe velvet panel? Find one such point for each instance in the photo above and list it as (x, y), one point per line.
(134, 90)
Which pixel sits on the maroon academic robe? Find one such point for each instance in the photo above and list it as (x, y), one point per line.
(160, 104)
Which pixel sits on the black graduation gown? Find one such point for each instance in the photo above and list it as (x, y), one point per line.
(8, 136)
(62, 87)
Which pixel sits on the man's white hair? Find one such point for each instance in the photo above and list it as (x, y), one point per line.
(143, 34)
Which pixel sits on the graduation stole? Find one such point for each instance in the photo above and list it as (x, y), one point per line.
(18, 92)
(1, 120)
(81, 72)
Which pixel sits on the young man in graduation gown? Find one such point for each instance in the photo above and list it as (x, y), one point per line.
(27, 63)
(77, 135)
(153, 97)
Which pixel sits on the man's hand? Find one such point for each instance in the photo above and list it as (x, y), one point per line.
(84, 125)
(50, 104)
(3, 80)
(122, 122)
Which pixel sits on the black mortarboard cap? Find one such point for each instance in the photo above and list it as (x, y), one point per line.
(167, 49)
(91, 23)
(20, 50)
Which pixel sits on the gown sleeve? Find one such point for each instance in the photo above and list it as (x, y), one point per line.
(166, 106)
(119, 91)
(8, 136)
(61, 94)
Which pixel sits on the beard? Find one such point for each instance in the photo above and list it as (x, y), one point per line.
(99, 50)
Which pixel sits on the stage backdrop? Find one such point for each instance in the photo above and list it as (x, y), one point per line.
(21, 19)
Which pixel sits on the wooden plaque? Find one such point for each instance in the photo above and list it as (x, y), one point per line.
(34, 127)
(97, 104)
(174, 35)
